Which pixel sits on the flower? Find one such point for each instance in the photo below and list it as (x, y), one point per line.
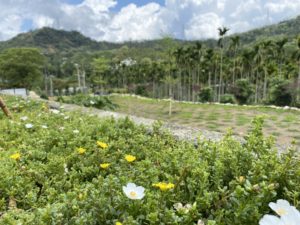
(118, 223)
(289, 215)
(54, 111)
(281, 207)
(134, 192)
(104, 165)
(16, 156)
(61, 128)
(23, 118)
(200, 222)
(28, 125)
(44, 126)
(182, 209)
(76, 131)
(92, 102)
(164, 186)
(102, 144)
(130, 158)
(81, 151)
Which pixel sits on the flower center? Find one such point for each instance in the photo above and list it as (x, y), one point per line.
(281, 212)
(133, 194)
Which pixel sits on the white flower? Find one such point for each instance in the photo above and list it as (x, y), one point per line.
(66, 117)
(200, 222)
(92, 102)
(44, 126)
(66, 168)
(281, 207)
(55, 111)
(292, 218)
(61, 128)
(76, 131)
(134, 192)
(289, 215)
(270, 220)
(28, 125)
(23, 118)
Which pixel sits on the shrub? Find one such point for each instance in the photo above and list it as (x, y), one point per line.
(242, 91)
(280, 93)
(58, 178)
(227, 98)
(206, 95)
(99, 102)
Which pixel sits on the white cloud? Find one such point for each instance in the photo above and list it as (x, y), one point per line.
(186, 19)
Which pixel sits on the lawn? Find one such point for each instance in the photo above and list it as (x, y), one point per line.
(284, 125)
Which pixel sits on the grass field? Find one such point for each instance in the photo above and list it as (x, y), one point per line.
(284, 125)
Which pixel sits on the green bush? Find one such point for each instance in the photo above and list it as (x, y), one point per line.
(242, 91)
(280, 93)
(227, 98)
(99, 102)
(206, 95)
(226, 182)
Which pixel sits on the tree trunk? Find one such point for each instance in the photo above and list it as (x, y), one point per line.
(298, 83)
(5, 109)
(221, 77)
(265, 86)
(256, 88)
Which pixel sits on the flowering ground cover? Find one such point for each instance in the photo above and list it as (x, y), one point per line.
(70, 168)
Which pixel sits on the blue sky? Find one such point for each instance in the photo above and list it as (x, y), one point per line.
(124, 20)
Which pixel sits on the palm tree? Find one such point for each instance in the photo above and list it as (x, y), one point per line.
(280, 52)
(222, 33)
(235, 42)
(298, 81)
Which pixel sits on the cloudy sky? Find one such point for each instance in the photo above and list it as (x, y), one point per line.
(123, 20)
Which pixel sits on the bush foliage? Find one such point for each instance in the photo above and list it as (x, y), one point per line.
(55, 182)
(99, 102)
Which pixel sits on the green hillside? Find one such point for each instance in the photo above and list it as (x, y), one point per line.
(55, 41)
(60, 40)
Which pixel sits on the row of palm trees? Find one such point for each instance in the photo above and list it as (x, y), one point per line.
(188, 69)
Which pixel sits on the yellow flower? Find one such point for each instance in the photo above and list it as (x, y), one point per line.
(130, 158)
(164, 186)
(241, 179)
(102, 144)
(81, 151)
(118, 223)
(104, 165)
(16, 156)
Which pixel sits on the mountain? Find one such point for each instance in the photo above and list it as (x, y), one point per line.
(57, 41)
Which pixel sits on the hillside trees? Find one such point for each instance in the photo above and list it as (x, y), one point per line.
(21, 67)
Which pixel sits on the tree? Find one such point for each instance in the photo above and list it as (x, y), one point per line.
(235, 42)
(21, 68)
(222, 33)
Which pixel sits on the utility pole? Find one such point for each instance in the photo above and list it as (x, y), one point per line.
(83, 81)
(51, 86)
(78, 76)
(46, 81)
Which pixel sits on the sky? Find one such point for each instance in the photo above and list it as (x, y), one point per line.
(130, 20)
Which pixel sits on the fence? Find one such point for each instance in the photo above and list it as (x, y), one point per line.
(14, 91)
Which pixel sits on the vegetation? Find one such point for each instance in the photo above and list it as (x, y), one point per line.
(98, 102)
(283, 124)
(52, 175)
(21, 67)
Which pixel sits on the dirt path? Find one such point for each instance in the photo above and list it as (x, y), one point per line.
(179, 131)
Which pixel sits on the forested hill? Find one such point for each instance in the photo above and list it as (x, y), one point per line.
(289, 28)
(60, 40)
(55, 40)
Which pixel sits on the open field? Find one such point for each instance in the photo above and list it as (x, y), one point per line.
(284, 125)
